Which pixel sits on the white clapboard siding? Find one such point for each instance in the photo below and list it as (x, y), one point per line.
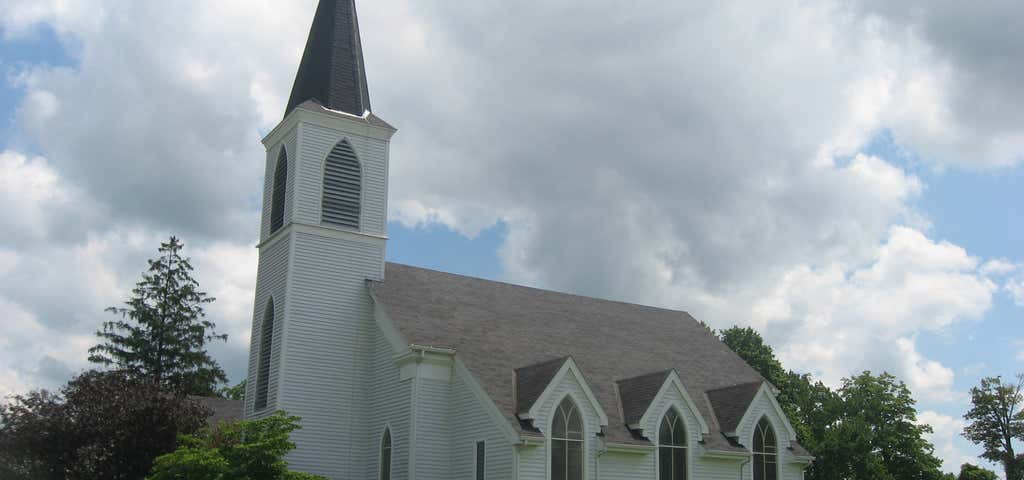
(760, 408)
(328, 344)
(470, 423)
(390, 408)
(431, 432)
(271, 281)
(316, 143)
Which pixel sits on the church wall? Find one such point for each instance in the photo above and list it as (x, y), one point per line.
(432, 433)
(390, 407)
(533, 461)
(316, 142)
(470, 423)
(328, 345)
(271, 282)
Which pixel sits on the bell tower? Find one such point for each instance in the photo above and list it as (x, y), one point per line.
(322, 237)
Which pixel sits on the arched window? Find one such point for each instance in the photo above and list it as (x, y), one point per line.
(266, 345)
(343, 183)
(765, 452)
(672, 448)
(567, 442)
(385, 455)
(277, 197)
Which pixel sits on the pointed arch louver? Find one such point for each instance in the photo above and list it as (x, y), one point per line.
(278, 195)
(342, 190)
(263, 369)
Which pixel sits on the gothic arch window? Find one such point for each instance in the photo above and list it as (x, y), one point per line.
(385, 455)
(766, 451)
(278, 192)
(266, 347)
(567, 442)
(342, 192)
(672, 451)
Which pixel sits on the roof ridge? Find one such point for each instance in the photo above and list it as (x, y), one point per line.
(538, 289)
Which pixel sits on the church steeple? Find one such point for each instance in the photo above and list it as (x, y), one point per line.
(331, 72)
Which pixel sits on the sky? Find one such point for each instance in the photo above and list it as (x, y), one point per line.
(844, 176)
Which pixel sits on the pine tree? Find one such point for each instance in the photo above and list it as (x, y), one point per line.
(162, 332)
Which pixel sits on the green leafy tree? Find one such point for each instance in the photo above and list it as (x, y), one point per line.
(162, 332)
(101, 425)
(972, 472)
(248, 449)
(236, 392)
(750, 346)
(996, 420)
(876, 434)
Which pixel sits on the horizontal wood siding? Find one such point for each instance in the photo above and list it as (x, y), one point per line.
(289, 143)
(271, 281)
(390, 407)
(316, 144)
(432, 431)
(328, 346)
(627, 466)
(470, 423)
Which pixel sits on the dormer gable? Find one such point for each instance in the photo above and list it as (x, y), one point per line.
(740, 407)
(646, 398)
(538, 384)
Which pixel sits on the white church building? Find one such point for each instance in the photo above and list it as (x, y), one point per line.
(402, 373)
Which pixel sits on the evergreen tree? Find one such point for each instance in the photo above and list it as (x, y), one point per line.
(162, 332)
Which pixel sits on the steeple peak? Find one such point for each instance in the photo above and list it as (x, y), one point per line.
(331, 72)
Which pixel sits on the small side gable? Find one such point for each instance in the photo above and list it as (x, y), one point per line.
(568, 371)
(672, 384)
(764, 403)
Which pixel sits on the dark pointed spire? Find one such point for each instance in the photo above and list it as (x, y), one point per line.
(331, 72)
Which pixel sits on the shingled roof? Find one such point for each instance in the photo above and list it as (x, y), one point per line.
(331, 72)
(496, 328)
(637, 393)
(730, 403)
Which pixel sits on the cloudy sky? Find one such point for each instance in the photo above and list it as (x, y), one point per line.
(845, 176)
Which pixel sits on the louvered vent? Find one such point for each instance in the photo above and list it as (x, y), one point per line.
(280, 186)
(266, 346)
(342, 187)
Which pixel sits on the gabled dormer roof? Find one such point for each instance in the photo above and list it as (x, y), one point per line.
(331, 72)
(637, 393)
(731, 404)
(532, 380)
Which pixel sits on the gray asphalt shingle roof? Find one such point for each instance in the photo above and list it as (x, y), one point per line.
(532, 380)
(496, 328)
(730, 403)
(637, 393)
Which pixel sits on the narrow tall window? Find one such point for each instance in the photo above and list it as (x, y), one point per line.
(672, 448)
(266, 345)
(567, 443)
(280, 186)
(481, 456)
(765, 452)
(343, 183)
(385, 455)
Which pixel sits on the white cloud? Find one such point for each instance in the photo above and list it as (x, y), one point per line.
(998, 266)
(712, 164)
(1015, 286)
(946, 430)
